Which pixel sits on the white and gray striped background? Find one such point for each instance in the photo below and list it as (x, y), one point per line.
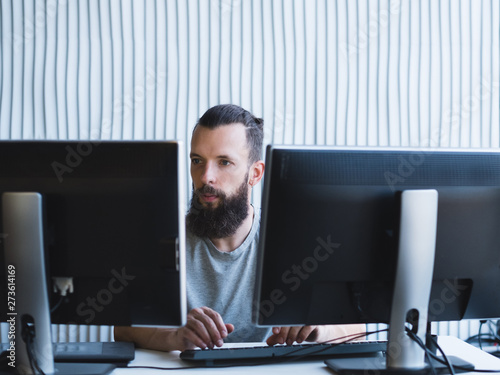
(348, 72)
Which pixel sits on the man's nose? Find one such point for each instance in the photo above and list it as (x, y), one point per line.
(208, 176)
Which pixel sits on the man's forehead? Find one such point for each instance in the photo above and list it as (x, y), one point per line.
(225, 141)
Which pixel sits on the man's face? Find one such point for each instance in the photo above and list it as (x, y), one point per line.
(219, 162)
(220, 173)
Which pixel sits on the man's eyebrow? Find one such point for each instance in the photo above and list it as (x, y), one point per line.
(193, 154)
(225, 157)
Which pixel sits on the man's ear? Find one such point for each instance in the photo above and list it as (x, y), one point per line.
(256, 173)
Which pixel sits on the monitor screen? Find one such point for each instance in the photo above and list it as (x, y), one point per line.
(330, 231)
(112, 219)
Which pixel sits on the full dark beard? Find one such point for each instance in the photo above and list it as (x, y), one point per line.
(221, 221)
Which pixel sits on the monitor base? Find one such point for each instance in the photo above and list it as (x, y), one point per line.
(377, 365)
(83, 368)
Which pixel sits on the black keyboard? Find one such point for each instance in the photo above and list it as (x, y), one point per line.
(265, 353)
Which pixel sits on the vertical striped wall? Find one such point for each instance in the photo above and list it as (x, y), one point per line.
(345, 72)
(325, 72)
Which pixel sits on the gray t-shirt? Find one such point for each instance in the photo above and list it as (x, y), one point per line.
(225, 282)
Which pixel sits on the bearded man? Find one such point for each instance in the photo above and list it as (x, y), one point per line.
(222, 243)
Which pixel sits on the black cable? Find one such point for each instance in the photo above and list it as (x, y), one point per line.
(447, 361)
(484, 336)
(486, 339)
(429, 359)
(56, 306)
(418, 340)
(463, 368)
(482, 322)
(168, 368)
(32, 358)
(495, 334)
(354, 336)
(444, 360)
(427, 351)
(490, 338)
(28, 335)
(345, 339)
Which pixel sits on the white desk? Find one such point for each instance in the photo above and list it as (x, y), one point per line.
(451, 345)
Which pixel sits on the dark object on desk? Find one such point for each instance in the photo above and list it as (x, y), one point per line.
(118, 353)
(100, 223)
(360, 366)
(353, 215)
(394, 235)
(63, 368)
(83, 368)
(210, 357)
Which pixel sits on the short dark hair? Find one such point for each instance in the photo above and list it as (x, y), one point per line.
(225, 114)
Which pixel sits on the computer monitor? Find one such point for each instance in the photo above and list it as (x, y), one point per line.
(93, 231)
(335, 221)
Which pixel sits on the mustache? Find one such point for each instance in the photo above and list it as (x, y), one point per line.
(207, 189)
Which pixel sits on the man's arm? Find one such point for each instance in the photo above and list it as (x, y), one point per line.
(148, 338)
(204, 328)
(325, 333)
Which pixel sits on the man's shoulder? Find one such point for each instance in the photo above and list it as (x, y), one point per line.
(194, 242)
(191, 237)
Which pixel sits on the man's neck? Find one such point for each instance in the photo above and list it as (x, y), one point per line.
(231, 243)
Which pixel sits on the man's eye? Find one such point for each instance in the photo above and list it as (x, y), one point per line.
(225, 162)
(195, 161)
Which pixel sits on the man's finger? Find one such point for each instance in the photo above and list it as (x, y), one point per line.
(292, 334)
(216, 318)
(213, 329)
(197, 328)
(190, 338)
(304, 333)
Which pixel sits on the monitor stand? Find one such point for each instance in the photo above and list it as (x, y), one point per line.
(412, 288)
(26, 279)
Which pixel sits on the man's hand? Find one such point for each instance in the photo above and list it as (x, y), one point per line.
(289, 335)
(323, 333)
(204, 328)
